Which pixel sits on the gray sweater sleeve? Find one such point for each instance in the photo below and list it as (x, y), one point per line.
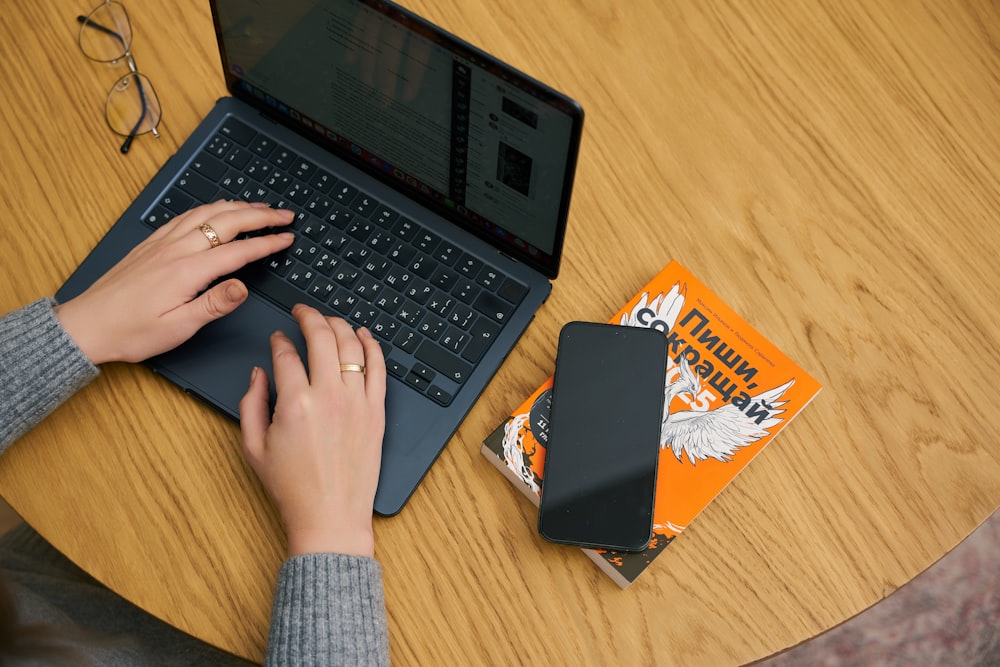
(328, 610)
(40, 367)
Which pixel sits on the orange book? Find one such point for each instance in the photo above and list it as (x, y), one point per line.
(728, 392)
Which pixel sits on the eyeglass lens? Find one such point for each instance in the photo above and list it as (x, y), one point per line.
(106, 34)
(132, 107)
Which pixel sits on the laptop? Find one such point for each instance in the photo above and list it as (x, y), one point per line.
(431, 184)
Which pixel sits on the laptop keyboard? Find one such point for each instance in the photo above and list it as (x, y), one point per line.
(434, 308)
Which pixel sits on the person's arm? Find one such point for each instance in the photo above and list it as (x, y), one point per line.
(40, 367)
(319, 457)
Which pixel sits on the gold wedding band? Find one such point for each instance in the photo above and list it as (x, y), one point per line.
(210, 234)
(359, 368)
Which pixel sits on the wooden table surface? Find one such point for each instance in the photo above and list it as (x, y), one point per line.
(829, 169)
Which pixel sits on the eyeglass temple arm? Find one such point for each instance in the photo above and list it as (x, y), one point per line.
(131, 63)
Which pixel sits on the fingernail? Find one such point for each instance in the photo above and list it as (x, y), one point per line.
(235, 292)
(287, 236)
(253, 373)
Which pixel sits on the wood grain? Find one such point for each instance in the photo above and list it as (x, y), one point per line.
(830, 170)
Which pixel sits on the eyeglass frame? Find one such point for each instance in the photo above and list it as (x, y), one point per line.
(86, 22)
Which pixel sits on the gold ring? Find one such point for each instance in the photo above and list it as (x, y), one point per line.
(359, 368)
(210, 234)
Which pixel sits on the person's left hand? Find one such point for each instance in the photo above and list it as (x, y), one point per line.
(156, 297)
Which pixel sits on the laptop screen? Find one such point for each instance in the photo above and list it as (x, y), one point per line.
(452, 127)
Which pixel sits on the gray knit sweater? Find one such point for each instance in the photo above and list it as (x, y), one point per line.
(328, 608)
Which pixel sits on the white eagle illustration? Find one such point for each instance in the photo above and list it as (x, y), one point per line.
(701, 434)
(718, 433)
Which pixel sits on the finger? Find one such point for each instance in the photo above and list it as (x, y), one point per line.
(193, 218)
(321, 344)
(254, 417)
(233, 256)
(375, 373)
(349, 349)
(289, 372)
(215, 302)
(229, 225)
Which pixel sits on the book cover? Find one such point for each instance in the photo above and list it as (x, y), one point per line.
(728, 392)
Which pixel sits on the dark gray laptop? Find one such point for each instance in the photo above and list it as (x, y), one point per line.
(431, 184)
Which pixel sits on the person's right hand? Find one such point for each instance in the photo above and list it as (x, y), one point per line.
(319, 455)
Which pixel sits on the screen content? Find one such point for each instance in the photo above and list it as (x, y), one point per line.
(446, 123)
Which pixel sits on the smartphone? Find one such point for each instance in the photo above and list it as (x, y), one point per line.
(599, 482)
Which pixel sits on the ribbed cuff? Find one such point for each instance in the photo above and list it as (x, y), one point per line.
(329, 609)
(40, 367)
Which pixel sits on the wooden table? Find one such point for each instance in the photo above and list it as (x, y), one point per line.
(830, 169)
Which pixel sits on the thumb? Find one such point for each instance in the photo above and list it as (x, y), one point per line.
(220, 300)
(215, 302)
(255, 417)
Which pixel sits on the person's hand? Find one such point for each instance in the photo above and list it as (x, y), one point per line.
(319, 455)
(155, 298)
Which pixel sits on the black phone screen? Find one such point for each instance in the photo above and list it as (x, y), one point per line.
(599, 481)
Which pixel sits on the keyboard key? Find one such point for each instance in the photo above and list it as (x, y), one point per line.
(238, 158)
(278, 181)
(439, 395)
(237, 131)
(301, 277)
(494, 307)
(261, 146)
(364, 313)
(208, 166)
(462, 316)
(410, 313)
(384, 216)
(395, 367)
(177, 201)
(416, 381)
(481, 336)
(319, 205)
(218, 146)
(454, 339)
(426, 241)
(322, 181)
(302, 170)
(385, 327)
(466, 291)
(469, 265)
(424, 372)
(446, 253)
(280, 264)
(489, 278)
(422, 265)
(159, 216)
(365, 205)
(198, 187)
(406, 229)
(432, 326)
(407, 340)
(344, 193)
(513, 291)
(444, 278)
(283, 158)
(444, 362)
(389, 300)
(339, 217)
(258, 169)
(343, 301)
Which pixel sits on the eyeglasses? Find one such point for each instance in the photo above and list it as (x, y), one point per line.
(131, 108)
